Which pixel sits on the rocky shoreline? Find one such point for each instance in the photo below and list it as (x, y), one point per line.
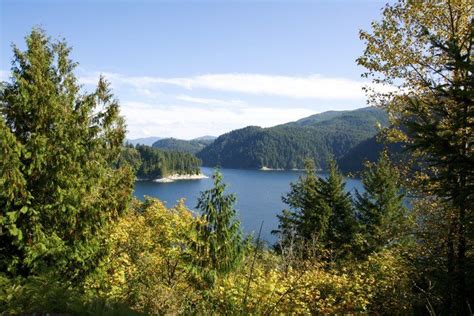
(177, 177)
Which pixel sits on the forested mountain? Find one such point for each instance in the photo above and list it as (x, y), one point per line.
(152, 163)
(286, 146)
(189, 146)
(206, 138)
(367, 150)
(368, 115)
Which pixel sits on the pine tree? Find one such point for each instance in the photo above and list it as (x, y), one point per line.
(307, 217)
(381, 211)
(59, 187)
(321, 212)
(342, 223)
(219, 246)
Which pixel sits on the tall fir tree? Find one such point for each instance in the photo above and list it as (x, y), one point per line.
(219, 247)
(383, 216)
(321, 212)
(342, 223)
(59, 188)
(307, 219)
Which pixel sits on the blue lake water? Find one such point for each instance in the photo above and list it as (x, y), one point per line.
(258, 194)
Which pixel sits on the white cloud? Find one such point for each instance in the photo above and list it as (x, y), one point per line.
(311, 87)
(145, 119)
(208, 101)
(160, 106)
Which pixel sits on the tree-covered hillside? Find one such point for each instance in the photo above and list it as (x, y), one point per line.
(364, 115)
(188, 146)
(287, 146)
(368, 150)
(152, 163)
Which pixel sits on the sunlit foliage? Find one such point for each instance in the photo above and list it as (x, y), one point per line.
(422, 52)
(59, 187)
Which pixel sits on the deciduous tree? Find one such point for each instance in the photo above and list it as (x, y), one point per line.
(423, 51)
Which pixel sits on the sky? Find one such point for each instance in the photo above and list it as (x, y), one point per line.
(186, 69)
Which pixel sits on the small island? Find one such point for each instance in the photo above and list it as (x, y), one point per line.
(153, 164)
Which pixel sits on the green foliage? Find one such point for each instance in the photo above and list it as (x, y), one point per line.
(321, 213)
(379, 285)
(219, 245)
(148, 265)
(152, 163)
(287, 146)
(69, 245)
(370, 150)
(37, 294)
(46, 294)
(308, 218)
(384, 218)
(192, 146)
(424, 51)
(148, 270)
(59, 187)
(342, 222)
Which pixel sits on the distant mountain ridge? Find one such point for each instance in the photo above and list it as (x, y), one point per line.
(286, 146)
(188, 146)
(205, 138)
(143, 141)
(173, 144)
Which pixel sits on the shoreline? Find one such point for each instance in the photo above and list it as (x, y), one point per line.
(178, 177)
(271, 169)
(279, 169)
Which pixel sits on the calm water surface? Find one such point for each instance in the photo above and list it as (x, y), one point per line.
(258, 194)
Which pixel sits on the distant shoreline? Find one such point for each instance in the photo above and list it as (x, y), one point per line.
(178, 177)
(279, 169)
(271, 169)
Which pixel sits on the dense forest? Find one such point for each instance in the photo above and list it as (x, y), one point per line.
(151, 163)
(188, 146)
(320, 136)
(369, 151)
(73, 241)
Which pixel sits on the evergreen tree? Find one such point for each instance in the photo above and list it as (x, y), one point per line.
(219, 246)
(383, 216)
(321, 212)
(307, 216)
(59, 187)
(342, 223)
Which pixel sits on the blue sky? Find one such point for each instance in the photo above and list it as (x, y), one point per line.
(192, 68)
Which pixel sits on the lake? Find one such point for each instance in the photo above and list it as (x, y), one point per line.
(258, 194)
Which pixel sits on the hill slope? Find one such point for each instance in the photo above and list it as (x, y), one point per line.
(369, 150)
(286, 146)
(188, 146)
